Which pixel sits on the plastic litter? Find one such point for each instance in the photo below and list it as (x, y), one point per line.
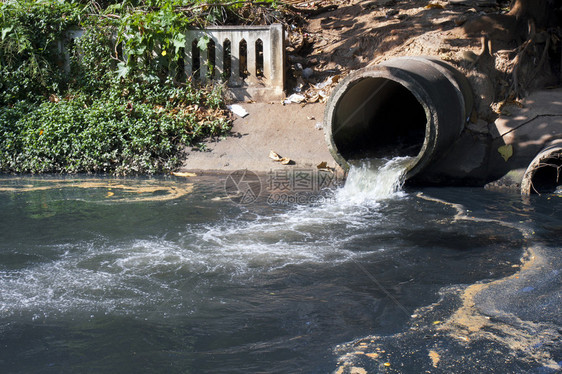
(294, 98)
(326, 83)
(238, 110)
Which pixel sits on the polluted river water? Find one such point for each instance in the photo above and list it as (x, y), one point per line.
(168, 274)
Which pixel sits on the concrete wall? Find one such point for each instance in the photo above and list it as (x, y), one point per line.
(263, 62)
(264, 85)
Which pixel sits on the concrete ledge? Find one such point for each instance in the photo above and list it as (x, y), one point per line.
(289, 130)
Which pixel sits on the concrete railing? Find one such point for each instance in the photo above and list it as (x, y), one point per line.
(250, 58)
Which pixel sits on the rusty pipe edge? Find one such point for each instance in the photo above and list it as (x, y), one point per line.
(407, 106)
(544, 173)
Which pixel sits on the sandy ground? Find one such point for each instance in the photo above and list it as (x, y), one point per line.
(292, 131)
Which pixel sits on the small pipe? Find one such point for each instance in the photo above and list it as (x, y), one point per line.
(544, 173)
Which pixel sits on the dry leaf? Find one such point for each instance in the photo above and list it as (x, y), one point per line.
(180, 174)
(313, 98)
(506, 151)
(274, 156)
(54, 98)
(323, 166)
(434, 6)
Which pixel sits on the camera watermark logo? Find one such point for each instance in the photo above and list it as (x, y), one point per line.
(242, 187)
(282, 186)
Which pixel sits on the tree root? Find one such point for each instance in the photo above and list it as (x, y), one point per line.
(486, 49)
(514, 90)
(549, 37)
(542, 60)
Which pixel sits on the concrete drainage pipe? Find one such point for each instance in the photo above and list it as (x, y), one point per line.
(408, 106)
(544, 174)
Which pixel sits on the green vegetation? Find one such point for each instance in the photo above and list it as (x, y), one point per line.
(115, 133)
(113, 112)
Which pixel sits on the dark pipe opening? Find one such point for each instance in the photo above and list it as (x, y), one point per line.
(377, 118)
(546, 178)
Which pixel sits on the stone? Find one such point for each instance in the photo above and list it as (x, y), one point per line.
(480, 127)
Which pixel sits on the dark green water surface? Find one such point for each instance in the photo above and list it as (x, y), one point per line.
(103, 275)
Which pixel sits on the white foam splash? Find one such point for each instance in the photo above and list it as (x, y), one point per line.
(106, 276)
(142, 274)
(373, 180)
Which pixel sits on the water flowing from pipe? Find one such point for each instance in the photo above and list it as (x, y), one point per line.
(372, 180)
(302, 234)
